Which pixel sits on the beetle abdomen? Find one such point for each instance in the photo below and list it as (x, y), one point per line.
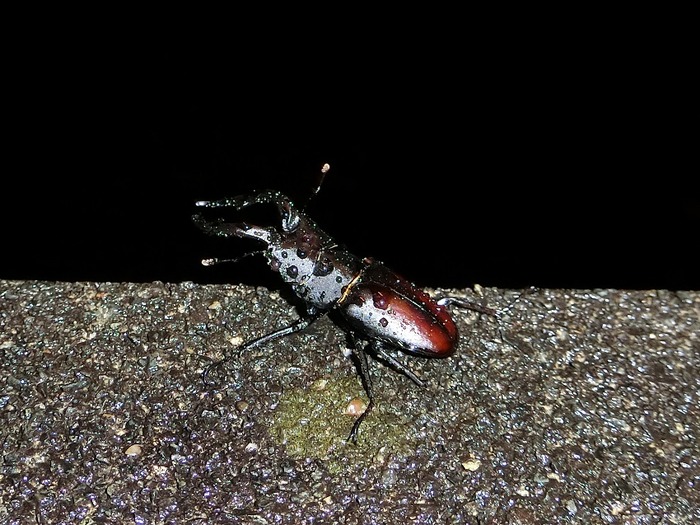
(393, 310)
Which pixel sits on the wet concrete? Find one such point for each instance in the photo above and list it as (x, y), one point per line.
(574, 406)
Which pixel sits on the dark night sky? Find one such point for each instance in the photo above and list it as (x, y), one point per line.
(500, 185)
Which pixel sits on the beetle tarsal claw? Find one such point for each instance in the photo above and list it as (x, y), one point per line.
(207, 375)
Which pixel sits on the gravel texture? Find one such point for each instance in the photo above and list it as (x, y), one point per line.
(571, 406)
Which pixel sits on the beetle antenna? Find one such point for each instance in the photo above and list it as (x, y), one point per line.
(324, 169)
(214, 260)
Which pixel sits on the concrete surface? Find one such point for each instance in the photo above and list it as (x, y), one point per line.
(574, 406)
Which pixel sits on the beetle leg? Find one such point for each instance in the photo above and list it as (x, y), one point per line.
(379, 349)
(363, 367)
(360, 354)
(446, 301)
(296, 326)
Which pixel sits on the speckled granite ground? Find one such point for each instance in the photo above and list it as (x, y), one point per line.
(574, 407)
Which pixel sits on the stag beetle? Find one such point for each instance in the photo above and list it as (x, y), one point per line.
(381, 309)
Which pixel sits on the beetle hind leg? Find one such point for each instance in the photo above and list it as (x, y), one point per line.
(379, 351)
(469, 305)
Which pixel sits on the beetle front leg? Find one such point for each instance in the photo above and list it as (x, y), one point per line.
(296, 326)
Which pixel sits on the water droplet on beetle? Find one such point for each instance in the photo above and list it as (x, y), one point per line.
(380, 301)
(323, 268)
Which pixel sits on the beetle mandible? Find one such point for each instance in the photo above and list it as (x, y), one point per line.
(382, 310)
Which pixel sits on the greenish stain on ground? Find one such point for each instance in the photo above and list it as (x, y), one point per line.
(313, 423)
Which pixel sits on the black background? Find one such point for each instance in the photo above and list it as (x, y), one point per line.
(552, 173)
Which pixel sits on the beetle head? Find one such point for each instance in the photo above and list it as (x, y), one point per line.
(289, 215)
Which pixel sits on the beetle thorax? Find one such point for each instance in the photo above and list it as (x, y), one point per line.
(315, 267)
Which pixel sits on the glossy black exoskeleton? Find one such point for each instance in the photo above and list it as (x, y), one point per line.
(381, 309)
